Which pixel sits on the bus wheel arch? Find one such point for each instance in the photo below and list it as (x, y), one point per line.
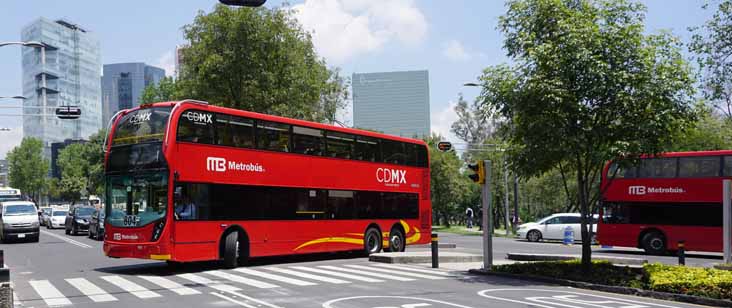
(372, 240)
(653, 241)
(397, 238)
(242, 245)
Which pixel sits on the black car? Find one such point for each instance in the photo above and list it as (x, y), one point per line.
(96, 225)
(78, 219)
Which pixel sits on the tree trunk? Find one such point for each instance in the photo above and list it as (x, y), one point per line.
(584, 212)
(446, 217)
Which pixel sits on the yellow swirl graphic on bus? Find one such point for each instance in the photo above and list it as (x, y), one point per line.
(357, 238)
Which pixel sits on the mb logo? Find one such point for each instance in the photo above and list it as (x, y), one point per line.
(217, 164)
(636, 190)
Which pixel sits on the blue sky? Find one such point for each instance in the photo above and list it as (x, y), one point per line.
(454, 39)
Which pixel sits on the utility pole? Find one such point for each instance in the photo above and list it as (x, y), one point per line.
(505, 199)
(515, 203)
(487, 217)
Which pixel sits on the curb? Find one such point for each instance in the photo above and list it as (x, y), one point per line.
(564, 257)
(407, 258)
(692, 299)
(440, 245)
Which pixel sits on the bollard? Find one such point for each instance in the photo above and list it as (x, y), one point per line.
(435, 257)
(2, 259)
(682, 254)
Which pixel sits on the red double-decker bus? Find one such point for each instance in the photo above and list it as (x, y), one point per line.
(664, 200)
(187, 181)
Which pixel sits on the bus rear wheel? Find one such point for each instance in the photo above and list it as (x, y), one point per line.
(396, 240)
(654, 243)
(231, 250)
(372, 241)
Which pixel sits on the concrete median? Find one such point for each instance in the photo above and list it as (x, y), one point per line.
(424, 257)
(563, 257)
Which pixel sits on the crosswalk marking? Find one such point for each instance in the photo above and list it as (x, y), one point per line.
(49, 293)
(240, 279)
(337, 274)
(284, 279)
(308, 276)
(389, 271)
(360, 272)
(16, 300)
(92, 291)
(412, 269)
(209, 283)
(170, 285)
(130, 287)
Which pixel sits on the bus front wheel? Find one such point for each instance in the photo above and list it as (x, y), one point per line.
(372, 241)
(231, 247)
(396, 240)
(654, 243)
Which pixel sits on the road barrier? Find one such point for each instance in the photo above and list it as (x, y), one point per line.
(435, 257)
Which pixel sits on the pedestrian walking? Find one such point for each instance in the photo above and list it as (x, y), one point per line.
(469, 214)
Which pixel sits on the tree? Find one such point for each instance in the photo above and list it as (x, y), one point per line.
(472, 125)
(82, 169)
(258, 59)
(163, 91)
(588, 86)
(27, 169)
(712, 45)
(710, 132)
(448, 186)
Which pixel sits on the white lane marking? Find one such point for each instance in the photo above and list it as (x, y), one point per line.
(66, 239)
(49, 293)
(308, 276)
(360, 272)
(329, 304)
(209, 283)
(240, 279)
(16, 299)
(232, 300)
(390, 271)
(92, 291)
(252, 299)
(130, 287)
(337, 274)
(292, 281)
(589, 294)
(409, 268)
(170, 285)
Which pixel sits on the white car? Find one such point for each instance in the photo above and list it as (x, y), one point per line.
(57, 218)
(552, 227)
(19, 221)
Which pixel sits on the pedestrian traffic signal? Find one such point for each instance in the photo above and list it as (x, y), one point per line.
(479, 169)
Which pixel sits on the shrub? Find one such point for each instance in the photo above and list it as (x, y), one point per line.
(689, 280)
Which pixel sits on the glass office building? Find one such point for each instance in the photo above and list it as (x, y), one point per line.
(123, 83)
(68, 76)
(396, 103)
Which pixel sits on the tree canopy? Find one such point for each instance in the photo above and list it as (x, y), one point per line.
(27, 168)
(587, 86)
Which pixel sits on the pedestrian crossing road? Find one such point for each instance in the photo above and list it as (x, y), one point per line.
(113, 288)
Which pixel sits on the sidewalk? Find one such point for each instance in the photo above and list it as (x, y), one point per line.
(463, 230)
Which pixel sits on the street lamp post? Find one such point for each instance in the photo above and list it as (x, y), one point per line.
(42, 46)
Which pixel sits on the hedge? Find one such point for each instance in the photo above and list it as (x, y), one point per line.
(704, 282)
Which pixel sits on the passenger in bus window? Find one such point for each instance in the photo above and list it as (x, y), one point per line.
(186, 209)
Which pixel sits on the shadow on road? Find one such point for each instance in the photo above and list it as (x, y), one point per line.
(163, 269)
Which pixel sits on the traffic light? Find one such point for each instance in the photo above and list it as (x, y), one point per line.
(479, 169)
(444, 146)
(68, 112)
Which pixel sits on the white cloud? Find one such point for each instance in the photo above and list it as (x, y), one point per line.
(343, 29)
(441, 121)
(10, 139)
(455, 51)
(167, 62)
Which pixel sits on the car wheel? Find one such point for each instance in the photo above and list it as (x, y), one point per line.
(533, 236)
(74, 229)
(66, 230)
(372, 241)
(654, 243)
(396, 241)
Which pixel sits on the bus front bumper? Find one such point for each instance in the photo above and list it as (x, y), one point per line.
(151, 251)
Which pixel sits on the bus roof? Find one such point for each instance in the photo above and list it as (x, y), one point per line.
(291, 121)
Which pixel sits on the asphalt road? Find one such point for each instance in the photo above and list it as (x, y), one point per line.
(71, 271)
(502, 246)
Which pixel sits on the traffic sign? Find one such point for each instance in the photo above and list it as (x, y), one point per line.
(444, 146)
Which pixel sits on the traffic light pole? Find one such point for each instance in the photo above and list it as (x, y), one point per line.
(485, 194)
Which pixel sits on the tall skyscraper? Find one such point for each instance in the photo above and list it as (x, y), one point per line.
(123, 83)
(179, 61)
(396, 103)
(69, 77)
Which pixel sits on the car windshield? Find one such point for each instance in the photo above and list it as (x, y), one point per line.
(84, 211)
(59, 213)
(19, 209)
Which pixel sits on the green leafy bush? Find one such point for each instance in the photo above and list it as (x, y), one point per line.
(705, 282)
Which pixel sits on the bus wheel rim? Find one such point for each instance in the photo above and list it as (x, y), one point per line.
(656, 243)
(372, 243)
(396, 243)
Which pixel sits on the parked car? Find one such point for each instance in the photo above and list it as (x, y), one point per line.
(57, 218)
(96, 225)
(552, 227)
(77, 219)
(19, 221)
(45, 212)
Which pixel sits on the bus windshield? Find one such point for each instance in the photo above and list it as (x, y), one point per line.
(136, 199)
(141, 126)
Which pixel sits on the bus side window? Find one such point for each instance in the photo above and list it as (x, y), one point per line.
(393, 152)
(658, 168)
(339, 145)
(307, 141)
(235, 131)
(273, 136)
(704, 166)
(194, 126)
(367, 149)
